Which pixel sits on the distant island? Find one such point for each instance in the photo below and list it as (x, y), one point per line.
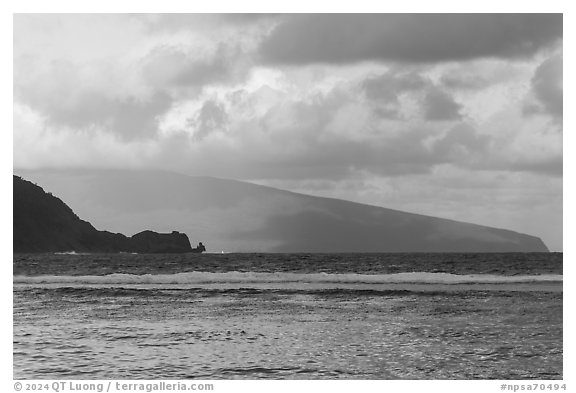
(43, 223)
(243, 217)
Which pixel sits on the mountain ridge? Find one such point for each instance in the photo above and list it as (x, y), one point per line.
(238, 216)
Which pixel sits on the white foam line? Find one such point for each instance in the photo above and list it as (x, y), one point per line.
(257, 277)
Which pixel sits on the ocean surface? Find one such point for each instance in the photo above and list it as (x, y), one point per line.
(288, 316)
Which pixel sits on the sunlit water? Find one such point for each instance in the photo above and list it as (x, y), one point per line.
(119, 317)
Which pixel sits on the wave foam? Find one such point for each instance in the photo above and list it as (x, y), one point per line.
(192, 278)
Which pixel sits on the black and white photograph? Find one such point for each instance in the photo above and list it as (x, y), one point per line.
(299, 196)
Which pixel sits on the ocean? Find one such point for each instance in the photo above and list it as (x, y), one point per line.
(288, 316)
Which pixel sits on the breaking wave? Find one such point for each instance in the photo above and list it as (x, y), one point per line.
(198, 278)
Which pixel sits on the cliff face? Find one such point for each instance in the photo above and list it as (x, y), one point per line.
(243, 217)
(43, 223)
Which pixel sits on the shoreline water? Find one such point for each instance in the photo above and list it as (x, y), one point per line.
(341, 317)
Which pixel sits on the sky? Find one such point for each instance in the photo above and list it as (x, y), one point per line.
(451, 115)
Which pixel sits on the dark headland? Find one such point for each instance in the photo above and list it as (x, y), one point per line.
(244, 217)
(43, 223)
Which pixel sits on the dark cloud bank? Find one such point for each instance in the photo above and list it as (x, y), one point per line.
(408, 38)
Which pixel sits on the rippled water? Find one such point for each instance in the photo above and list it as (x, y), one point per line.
(507, 264)
(251, 329)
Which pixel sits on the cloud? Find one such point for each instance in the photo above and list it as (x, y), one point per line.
(408, 38)
(480, 74)
(291, 139)
(73, 97)
(264, 132)
(211, 117)
(440, 106)
(464, 81)
(38, 144)
(461, 142)
(520, 144)
(386, 87)
(203, 22)
(547, 88)
(170, 67)
(385, 91)
(330, 137)
(120, 93)
(552, 166)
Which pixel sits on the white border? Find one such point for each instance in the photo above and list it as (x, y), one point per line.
(10, 7)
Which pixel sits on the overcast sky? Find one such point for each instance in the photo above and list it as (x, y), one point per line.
(455, 116)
